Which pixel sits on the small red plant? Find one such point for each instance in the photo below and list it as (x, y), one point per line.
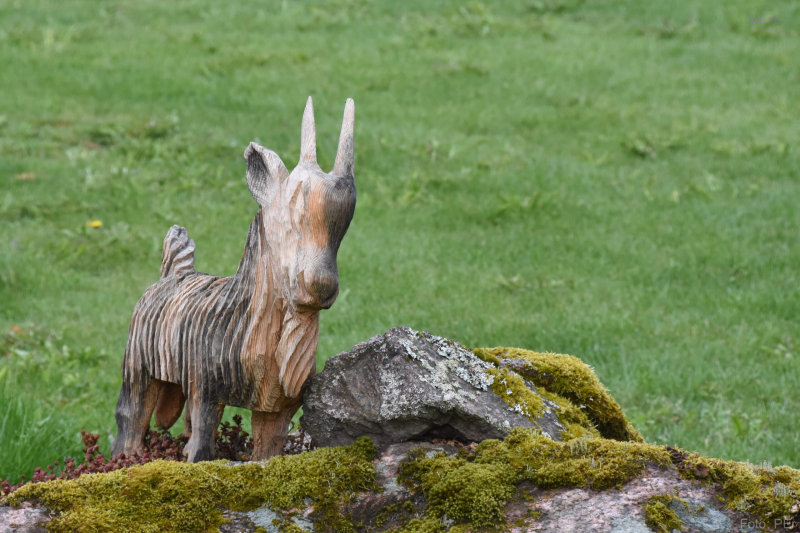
(158, 445)
(232, 443)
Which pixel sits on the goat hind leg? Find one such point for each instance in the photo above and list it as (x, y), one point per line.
(169, 405)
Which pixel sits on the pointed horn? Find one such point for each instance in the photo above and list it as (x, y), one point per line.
(308, 135)
(345, 157)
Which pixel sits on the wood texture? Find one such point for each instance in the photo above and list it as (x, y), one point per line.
(248, 340)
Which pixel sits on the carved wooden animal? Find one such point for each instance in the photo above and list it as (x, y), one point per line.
(248, 340)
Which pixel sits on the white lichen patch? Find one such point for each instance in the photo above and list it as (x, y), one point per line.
(466, 365)
(409, 349)
(398, 398)
(268, 519)
(456, 373)
(475, 377)
(467, 394)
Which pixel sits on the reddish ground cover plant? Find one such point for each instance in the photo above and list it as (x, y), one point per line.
(232, 443)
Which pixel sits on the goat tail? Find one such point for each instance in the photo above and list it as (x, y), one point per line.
(177, 258)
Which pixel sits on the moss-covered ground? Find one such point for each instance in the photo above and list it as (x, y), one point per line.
(462, 492)
(175, 497)
(613, 180)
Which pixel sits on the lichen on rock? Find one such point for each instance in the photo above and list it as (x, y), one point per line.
(409, 385)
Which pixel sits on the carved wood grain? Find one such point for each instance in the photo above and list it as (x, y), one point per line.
(248, 340)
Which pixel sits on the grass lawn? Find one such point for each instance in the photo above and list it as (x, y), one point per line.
(614, 180)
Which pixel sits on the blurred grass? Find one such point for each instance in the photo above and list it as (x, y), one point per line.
(613, 180)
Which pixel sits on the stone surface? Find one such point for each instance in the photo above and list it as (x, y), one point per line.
(699, 517)
(629, 524)
(618, 511)
(405, 385)
(265, 517)
(26, 519)
(559, 511)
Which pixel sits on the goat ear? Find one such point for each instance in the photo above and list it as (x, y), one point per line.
(265, 170)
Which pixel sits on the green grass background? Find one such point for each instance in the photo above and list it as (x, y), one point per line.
(613, 180)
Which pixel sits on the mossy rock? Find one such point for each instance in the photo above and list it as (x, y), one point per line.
(660, 517)
(411, 385)
(168, 496)
(771, 493)
(570, 382)
(474, 489)
(432, 489)
(355, 488)
(408, 384)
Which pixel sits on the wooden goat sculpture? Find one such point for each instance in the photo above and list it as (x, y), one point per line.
(248, 340)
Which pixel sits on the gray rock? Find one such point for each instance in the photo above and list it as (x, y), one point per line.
(265, 516)
(702, 519)
(406, 385)
(629, 524)
(26, 519)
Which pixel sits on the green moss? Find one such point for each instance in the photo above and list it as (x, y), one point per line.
(475, 493)
(426, 524)
(287, 526)
(586, 462)
(385, 514)
(474, 490)
(180, 497)
(486, 355)
(573, 380)
(531, 514)
(458, 488)
(758, 490)
(660, 517)
(421, 471)
(575, 421)
(400, 512)
(511, 388)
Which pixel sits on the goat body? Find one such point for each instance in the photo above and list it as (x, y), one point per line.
(248, 340)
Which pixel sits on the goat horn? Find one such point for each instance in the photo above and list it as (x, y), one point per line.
(345, 158)
(308, 135)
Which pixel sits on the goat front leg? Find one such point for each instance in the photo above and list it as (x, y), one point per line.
(270, 431)
(135, 406)
(205, 417)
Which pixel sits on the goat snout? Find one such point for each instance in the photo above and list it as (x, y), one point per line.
(325, 288)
